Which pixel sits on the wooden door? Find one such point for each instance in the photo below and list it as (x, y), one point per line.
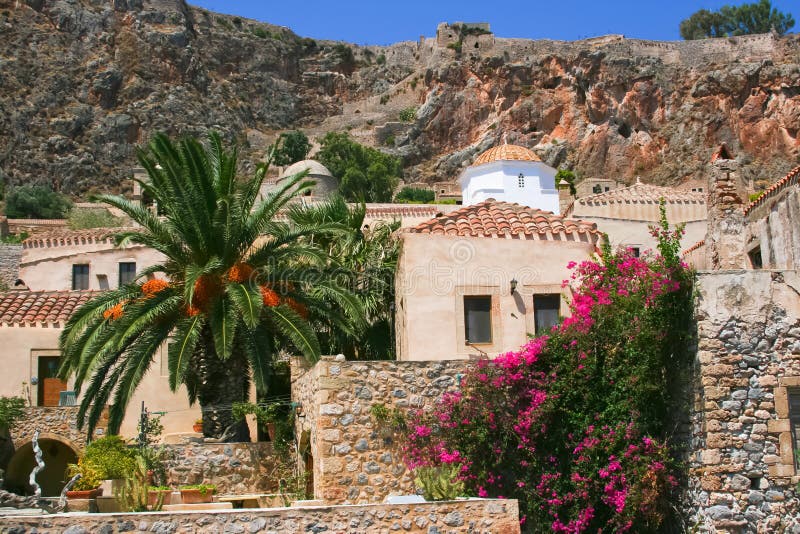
(50, 386)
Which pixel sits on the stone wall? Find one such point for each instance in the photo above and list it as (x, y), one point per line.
(726, 224)
(742, 474)
(56, 422)
(355, 461)
(232, 467)
(10, 256)
(773, 231)
(474, 516)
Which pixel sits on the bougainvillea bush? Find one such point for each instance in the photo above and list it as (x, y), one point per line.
(577, 424)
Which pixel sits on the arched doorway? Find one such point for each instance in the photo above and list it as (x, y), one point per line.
(56, 454)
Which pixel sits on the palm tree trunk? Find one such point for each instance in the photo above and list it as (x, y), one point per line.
(220, 384)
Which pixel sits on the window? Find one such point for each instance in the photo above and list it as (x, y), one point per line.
(636, 251)
(597, 189)
(755, 258)
(545, 311)
(127, 272)
(607, 189)
(521, 180)
(478, 319)
(80, 276)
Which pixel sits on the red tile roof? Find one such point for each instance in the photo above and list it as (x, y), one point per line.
(403, 210)
(492, 218)
(694, 247)
(66, 237)
(777, 187)
(506, 153)
(643, 193)
(40, 308)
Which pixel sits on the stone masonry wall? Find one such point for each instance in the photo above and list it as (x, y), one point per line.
(475, 516)
(354, 461)
(57, 422)
(233, 467)
(10, 256)
(743, 476)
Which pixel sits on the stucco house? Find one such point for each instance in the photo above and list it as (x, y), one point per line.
(475, 282)
(510, 173)
(627, 213)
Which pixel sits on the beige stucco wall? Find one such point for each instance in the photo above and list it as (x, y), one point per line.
(50, 268)
(772, 227)
(435, 272)
(630, 233)
(23, 345)
(677, 211)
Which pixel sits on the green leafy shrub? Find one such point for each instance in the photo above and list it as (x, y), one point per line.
(290, 147)
(259, 32)
(12, 409)
(744, 19)
(384, 99)
(81, 219)
(91, 477)
(111, 456)
(381, 59)
(36, 202)
(414, 195)
(389, 141)
(408, 114)
(569, 176)
(440, 482)
(455, 46)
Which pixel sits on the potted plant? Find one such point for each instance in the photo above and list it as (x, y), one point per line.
(198, 426)
(113, 460)
(197, 493)
(88, 485)
(158, 496)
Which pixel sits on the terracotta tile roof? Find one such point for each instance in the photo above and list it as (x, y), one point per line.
(404, 210)
(506, 153)
(694, 247)
(67, 237)
(40, 308)
(643, 193)
(777, 187)
(492, 218)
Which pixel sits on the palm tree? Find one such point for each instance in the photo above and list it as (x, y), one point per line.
(366, 258)
(235, 286)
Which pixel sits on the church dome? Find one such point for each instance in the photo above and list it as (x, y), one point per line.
(506, 153)
(315, 168)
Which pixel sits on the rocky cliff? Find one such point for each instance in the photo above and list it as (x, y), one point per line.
(82, 82)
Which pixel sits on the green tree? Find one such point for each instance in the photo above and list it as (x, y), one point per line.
(237, 286)
(569, 176)
(745, 19)
(364, 173)
(291, 147)
(366, 257)
(36, 202)
(415, 195)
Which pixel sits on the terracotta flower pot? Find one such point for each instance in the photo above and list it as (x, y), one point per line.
(154, 495)
(193, 496)
(198, 427)
(84, 494)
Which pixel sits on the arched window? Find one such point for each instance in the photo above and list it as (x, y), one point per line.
(521, 180)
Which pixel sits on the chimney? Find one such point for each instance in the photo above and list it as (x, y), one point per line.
(565, 198)
(725, 244)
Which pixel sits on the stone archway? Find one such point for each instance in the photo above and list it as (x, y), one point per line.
(57, 453)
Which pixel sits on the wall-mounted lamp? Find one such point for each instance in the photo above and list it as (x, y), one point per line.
(513, 285)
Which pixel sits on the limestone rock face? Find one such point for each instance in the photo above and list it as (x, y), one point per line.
(82, 82)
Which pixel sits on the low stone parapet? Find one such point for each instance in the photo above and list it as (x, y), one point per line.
(475, 516)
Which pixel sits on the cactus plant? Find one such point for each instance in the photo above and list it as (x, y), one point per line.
(440, 482)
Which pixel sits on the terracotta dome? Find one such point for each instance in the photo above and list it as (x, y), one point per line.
(506, 153)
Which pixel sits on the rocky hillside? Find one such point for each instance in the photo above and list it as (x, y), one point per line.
(82, 82)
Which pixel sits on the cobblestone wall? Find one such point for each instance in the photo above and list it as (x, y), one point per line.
(56, 422)
(355, 461)
(10, 256)
(474, 516)
(232, 467)
(743, 475)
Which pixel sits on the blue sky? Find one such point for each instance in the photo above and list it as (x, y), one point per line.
(386, 22)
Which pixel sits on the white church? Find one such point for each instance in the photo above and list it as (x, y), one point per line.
(510, 173)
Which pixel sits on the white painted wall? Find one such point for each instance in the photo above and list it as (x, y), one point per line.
(500, 180)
